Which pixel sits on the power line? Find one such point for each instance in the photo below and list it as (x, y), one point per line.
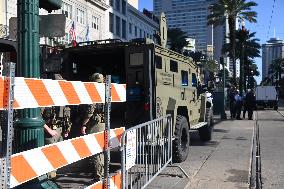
(271, 18)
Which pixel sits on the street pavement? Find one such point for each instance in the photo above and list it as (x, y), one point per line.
(221, 163)
(224, 162)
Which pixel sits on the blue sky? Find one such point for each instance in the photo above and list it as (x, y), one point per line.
(264, 10)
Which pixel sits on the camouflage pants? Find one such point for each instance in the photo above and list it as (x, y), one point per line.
(51, 140)
(97, 160)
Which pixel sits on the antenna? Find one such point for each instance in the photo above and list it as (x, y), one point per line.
(274, 33)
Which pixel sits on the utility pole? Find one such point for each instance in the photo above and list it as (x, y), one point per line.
(223, 113)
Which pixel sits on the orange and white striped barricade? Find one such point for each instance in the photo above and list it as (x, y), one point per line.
(115, 182)
(33, 163)
(34, 93)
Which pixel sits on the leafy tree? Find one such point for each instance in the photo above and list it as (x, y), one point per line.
(277, 67)
(196, 56)
(231, 10)
(177, 39)
(246, 39)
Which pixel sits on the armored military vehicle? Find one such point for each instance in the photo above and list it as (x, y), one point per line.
(159, 82)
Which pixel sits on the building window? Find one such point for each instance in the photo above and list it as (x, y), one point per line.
(80, 16)
(123, 7)
(194, 80)
(95, 22)
(140, 33)
(111, 3)
(117, 5)
(144, 34)
(135, 30)
(184, 78)
(123, 29)
(117, 25)
(130, 28)
(66, 10)
(158, 61)
(173, 66)
(111, 23)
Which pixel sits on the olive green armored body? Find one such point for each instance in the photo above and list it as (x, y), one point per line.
(159, 82)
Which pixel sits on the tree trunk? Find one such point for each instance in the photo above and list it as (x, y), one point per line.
(232, 36)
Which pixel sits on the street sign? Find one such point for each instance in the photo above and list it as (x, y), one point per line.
(130, 149)
(51, 25)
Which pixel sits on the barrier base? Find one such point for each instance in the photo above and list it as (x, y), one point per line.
(29, 134)
(47, 184)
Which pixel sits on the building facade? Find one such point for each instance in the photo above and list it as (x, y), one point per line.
(141, 24)
(126, 22)
(190, 16)
(93, 20)
(273, 49)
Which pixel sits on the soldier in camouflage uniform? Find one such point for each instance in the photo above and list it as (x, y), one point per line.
(57, 124)
(92, 122)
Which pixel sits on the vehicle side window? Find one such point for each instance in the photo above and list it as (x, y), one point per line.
(136, 59)
(184, 78)
(173, 66)
(194, 80)
(158, 61)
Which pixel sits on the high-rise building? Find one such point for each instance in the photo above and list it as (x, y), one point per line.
(190, 16)
(273, 49)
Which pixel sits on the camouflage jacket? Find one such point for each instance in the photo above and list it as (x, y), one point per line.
(58, 116)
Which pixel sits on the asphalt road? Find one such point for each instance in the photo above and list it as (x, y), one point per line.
(271, 129)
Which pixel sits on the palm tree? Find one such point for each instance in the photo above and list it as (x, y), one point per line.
(277, 67)
(231, 10)
(177, 39)
(247, 48)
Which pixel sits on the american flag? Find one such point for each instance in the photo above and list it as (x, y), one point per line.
(72, 32)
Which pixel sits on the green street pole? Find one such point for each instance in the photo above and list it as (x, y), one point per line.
(29, 131)
(29, 125)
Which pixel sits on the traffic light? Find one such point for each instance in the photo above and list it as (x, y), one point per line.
(50, 5)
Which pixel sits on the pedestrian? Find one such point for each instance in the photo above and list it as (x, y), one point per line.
(232, 102)
(238, 105)
(92, 122)
(250, 103)
(57, 124)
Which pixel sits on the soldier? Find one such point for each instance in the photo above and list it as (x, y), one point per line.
(57, 124)
(92, 122)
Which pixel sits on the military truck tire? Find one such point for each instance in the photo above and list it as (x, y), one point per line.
(275, 107)
(182, 139)
(205, 132)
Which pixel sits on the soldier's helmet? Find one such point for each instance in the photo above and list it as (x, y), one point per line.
(58, 77)
(97, 77)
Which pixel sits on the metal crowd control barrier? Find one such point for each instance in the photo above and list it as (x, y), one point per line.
(146, 150)
(23, 93)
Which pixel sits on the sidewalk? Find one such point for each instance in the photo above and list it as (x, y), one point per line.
(221, 163)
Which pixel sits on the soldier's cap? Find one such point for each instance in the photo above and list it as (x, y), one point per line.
(58, 77)
(97, 77)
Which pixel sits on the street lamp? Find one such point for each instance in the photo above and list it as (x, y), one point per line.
(223, 113)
